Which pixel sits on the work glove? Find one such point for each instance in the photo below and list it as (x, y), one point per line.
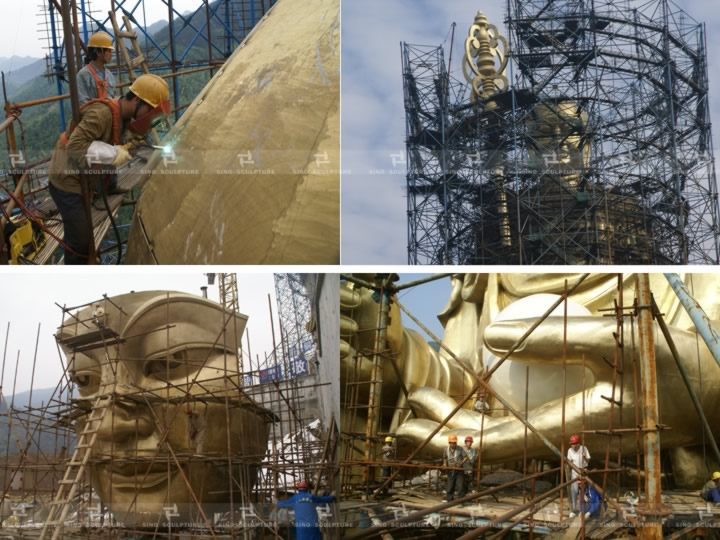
(135, 142)
(122, 157)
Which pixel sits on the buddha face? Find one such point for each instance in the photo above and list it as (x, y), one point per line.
(169, 360)
(556, 141)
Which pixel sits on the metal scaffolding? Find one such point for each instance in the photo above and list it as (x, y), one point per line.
(171, 57)
(630, 488)
(599, 152)
(45, 457)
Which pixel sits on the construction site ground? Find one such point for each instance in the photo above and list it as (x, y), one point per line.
(689, 512)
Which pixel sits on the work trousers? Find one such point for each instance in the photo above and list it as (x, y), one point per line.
(76, 227)
(455, 482)
(574, 493)
(468, 485)
(713, 495)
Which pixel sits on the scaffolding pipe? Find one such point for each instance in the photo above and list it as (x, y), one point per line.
(58, 64)
(697, 315)
(415, 516)
(648, 377)
(376, 383)
(482, 383)
(515, 511)
(686, 379)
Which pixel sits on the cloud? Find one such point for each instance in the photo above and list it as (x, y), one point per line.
(374, 206)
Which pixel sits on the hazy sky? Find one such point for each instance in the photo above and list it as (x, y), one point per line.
(374, 206)
(28, 299)
(19, 21)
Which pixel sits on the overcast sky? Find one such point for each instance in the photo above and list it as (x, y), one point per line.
(374, 207)
(19, 21)
(28, 299)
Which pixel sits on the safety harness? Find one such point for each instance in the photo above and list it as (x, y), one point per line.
(101, 84)
(114, 105)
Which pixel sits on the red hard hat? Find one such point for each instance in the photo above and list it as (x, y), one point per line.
(574, 439)
(301, 485)
(468, 438)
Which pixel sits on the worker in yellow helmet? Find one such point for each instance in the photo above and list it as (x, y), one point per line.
(110, 130)
(711, 490)
(454, 459)
(388, 452)
(95, 81)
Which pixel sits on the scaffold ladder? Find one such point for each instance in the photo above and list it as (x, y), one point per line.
(68, 486)
(131, 63)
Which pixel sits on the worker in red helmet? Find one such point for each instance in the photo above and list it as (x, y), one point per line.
(469, 463)
(579, 456)
(303, 503)
(454, 459)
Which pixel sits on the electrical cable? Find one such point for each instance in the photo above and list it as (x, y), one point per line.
(103, 190)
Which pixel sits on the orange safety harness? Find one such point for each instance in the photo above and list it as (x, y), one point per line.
(114, 105)
(101, 84)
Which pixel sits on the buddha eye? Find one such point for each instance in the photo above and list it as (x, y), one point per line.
(162, 368)
(86, 381)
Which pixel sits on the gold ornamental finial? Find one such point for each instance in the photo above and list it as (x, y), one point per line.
(482, 53)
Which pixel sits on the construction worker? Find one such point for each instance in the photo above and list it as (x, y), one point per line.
(95, 144)
(454, 456)
(388, 452)
(593, 502)
(303, 504)
(469, 463)
(94, 81)
(579, 456)
(711, 490)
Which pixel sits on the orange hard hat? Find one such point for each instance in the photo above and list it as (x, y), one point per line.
(452, 438)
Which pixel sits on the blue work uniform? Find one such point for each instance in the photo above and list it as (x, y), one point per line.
(306, 519)
(593, 502)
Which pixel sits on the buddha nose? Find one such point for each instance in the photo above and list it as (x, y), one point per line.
(125, 421)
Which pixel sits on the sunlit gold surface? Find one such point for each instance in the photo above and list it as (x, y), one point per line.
(485, 59)
(475, 333)
(557, 144)
(254, 174)
(150, 355)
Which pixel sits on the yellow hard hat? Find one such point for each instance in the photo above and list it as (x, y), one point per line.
(101, 40)
(716, 475)
(152, 89)
(452, 438)
(388, 439)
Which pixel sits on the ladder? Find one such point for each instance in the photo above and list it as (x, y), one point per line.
(68, 486)
(131, 63)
